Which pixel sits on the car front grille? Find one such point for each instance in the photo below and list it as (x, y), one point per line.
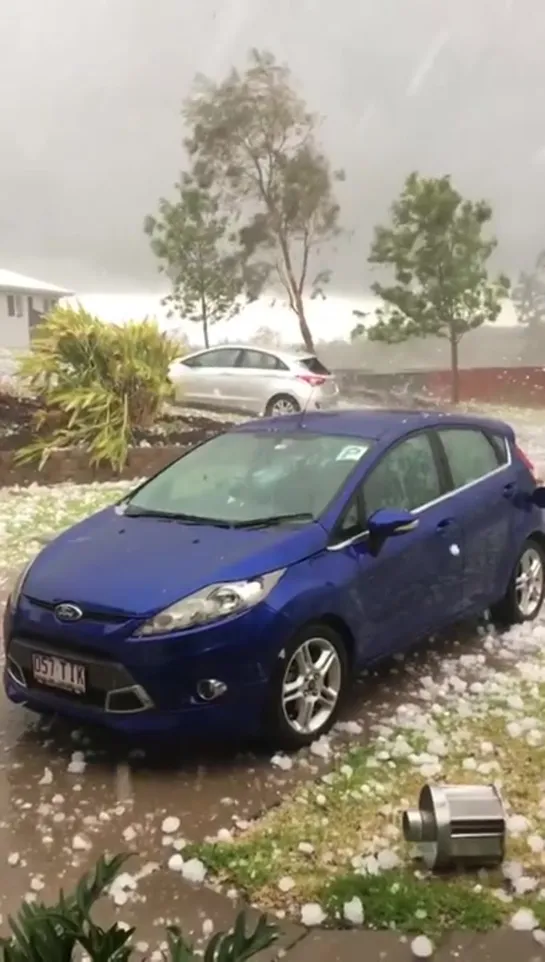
(99, 616)
(110, 687)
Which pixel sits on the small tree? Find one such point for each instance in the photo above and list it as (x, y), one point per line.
(529, 301)
(437, 250)
(254, 135)
(359, 332)
(192, 239)
(267, 337)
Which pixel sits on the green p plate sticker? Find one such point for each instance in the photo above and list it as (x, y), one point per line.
(353, 452)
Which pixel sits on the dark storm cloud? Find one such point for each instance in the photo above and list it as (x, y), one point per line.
(90, 129)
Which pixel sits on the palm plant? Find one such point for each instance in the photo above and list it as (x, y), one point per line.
(60, 932)
(96, 383)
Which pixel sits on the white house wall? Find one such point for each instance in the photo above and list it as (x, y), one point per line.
(14, 331)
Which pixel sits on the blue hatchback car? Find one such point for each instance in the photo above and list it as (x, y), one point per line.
(243, 587)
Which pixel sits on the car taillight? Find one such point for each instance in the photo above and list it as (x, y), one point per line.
(313, 379)
(525, 460)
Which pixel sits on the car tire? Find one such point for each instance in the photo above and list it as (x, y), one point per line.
(282, 404)
(298, 669)
(524, 596)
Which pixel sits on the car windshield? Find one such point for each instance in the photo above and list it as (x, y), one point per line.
(252, 477)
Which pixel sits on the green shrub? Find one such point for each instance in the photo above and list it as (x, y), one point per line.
(96, 383)
(59, 932)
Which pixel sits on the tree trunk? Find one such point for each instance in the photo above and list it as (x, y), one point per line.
(294, 291)
(303, 326)
(204, 318)
(454, 372)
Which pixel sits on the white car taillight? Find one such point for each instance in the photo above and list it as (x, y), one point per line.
(314, 380)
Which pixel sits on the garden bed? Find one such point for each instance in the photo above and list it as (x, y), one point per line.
(154, 447)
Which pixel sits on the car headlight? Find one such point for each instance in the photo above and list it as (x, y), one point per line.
(211, 604)
(15, 592)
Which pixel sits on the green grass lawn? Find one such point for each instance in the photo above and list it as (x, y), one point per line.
(337, 843)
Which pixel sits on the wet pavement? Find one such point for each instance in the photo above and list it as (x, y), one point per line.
(334, 946)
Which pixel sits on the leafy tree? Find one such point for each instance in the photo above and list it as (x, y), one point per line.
(437, 250)
(209, 272)
(266, 337)
(529, 300)
(359, 332)
(255, 137)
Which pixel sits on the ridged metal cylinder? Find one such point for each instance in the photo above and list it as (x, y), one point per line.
(457, 826)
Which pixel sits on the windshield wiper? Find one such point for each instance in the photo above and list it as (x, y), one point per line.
(273, 519)
(175, 516)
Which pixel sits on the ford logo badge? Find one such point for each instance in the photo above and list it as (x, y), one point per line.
(68, 612)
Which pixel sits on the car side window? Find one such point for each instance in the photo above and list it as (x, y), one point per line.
(351, 521)
(499, 443)
(191, 361)
(406, 477)
(225, 357)
(261, 360)
(470, 453)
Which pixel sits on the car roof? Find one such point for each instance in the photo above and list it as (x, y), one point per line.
(373, 423)
(284, 355)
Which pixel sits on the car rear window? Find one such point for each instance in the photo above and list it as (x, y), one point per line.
(314, 365)
(471, 454)
(499, 443)
(262, 361)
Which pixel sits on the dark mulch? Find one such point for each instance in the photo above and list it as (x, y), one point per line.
(17, 430)
(15, 421)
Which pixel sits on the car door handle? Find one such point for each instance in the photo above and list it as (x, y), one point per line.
(509, 489)
(445, 523)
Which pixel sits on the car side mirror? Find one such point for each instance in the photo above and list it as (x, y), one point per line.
(538, 497)
(387, 522)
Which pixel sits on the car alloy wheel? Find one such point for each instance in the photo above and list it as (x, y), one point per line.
(311, 686)
(282, 405)
(526, 590)
(529, 582)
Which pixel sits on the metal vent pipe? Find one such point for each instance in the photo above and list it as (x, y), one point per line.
(457, 826)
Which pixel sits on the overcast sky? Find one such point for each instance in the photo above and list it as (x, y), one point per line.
(90, 126)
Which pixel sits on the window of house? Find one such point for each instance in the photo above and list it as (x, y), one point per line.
(15, 305)
(470, 454)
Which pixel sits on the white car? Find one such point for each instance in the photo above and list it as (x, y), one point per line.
(254, 379)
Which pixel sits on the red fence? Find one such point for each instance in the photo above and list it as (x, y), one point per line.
(522, 386)
(519, 386)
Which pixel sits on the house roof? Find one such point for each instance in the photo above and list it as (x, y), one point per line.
(12, 282)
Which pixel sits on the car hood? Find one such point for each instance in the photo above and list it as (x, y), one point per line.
(137, 566)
